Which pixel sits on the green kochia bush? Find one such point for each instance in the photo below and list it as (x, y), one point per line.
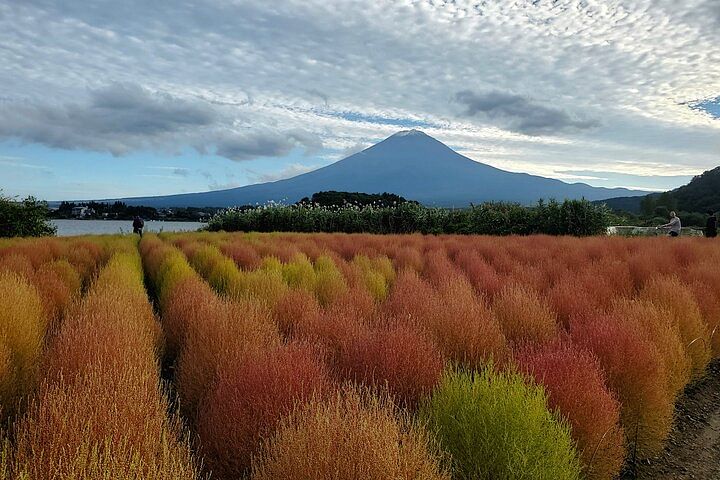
(494, 425)
(571, 217)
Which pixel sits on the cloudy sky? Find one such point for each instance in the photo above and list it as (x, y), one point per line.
(108, 98)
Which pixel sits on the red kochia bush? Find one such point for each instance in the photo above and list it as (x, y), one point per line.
(243, 254)
(464, 328)
(635, 373)
(411, 298)
(438, 267)
(568, 299)
(297, 313)
(249, 399)
(408, 257)
(575, 384)
(187, 305)
(480, 273)
(58, 284)
(397, 358)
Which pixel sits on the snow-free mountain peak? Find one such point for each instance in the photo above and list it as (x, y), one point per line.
(409, 163)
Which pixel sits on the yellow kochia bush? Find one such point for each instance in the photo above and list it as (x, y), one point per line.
(678, 300)
(22, 333)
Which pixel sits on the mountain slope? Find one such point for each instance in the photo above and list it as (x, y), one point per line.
(702, 194)
(411, 164)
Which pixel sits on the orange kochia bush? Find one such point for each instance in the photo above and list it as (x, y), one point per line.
(523, 316)
(351, 435)
(453, 315)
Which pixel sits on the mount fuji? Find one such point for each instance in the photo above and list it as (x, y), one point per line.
(409, 163)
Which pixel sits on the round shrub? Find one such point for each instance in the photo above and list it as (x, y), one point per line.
(523, 316)
(568, 299)
(635, 372)
(397, 358)
(297, 314)
(671, 294)
(658, 326)
(575, 385)
(480, 273)
(351, 436)
(249, 399)
(222, 333)
(494, 425)
(329, 282)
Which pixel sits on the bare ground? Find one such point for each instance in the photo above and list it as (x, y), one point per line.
(693, 449)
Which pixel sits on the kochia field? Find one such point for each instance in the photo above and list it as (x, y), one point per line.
(334, 356)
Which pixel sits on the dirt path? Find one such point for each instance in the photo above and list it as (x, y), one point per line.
(693, 449)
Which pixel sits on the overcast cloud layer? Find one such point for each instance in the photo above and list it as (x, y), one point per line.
(601, 91)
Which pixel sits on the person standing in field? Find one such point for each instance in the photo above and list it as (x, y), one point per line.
(711, 225)
(138, 225)
(674, 225)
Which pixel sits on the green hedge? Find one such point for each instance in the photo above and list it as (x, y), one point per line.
(571, 217)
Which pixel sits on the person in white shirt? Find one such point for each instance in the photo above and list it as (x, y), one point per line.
(674, 225)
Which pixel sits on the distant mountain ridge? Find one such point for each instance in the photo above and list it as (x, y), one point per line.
(702, 194)
(409, 163)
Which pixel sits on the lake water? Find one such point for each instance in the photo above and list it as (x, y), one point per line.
(66, 228)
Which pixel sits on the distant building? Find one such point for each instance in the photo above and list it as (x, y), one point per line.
(82, 212)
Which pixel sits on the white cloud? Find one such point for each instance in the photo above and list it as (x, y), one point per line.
(251, 79)
(291, 170)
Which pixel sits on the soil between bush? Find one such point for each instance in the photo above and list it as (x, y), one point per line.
(693, 447)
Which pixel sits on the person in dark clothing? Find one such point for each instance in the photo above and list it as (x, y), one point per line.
(711, 225)
(138, 225)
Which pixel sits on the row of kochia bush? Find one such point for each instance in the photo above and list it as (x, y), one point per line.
(335, 356)
(87, 386)
(39, 280)
(611, 349)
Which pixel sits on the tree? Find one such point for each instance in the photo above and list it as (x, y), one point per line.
(647, 205)
(26, 218)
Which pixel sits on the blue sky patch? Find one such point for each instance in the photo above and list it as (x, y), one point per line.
(711, 106)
